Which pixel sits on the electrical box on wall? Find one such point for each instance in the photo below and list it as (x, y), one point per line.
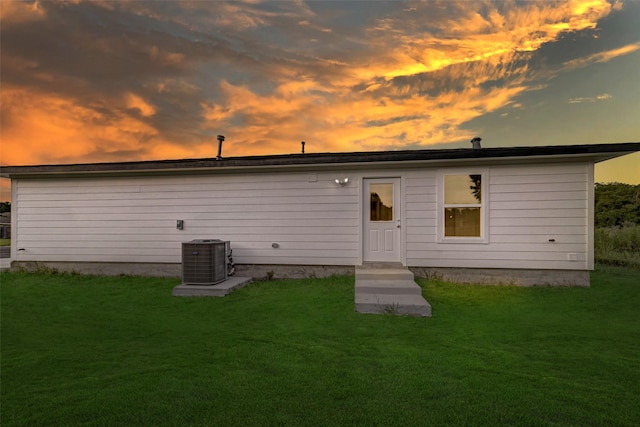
(180, 224)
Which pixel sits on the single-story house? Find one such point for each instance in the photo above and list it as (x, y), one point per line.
(521, 215)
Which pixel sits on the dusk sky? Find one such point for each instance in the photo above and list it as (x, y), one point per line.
(106, 81)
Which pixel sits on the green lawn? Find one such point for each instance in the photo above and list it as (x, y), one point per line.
(96, 351)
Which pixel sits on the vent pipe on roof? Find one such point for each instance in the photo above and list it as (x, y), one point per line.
(302, 143)
(220, 140)
(475, 143)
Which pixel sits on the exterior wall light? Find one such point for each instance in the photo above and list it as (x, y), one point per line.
(342, 182)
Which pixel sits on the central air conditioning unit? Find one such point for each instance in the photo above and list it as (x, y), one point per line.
(204, 262)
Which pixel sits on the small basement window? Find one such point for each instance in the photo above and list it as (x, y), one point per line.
(462, 208)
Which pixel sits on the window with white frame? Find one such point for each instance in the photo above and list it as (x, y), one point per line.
(462, 207)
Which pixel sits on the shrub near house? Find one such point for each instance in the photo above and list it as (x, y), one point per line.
(617, 221)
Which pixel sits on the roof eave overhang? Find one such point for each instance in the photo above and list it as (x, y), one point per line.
(327, 161)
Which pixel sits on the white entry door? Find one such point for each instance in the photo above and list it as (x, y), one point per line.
(381, 220)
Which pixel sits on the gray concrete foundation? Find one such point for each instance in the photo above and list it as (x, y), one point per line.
(102, 268)
(254, 271)
(482, 276)
(503, 276)
(280, 271)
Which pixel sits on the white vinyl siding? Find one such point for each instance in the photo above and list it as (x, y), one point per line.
(528, 206)
(313, 220)
(420, 202)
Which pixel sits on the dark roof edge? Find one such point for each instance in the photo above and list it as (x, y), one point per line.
(596, 152)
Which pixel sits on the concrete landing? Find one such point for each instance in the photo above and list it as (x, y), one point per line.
(384, 274)
(389, 291)
(219, 290)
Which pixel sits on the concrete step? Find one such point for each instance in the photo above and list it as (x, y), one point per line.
(218, 290)
(374, 264)
(383, 274)
(389, 287)
(407, 305)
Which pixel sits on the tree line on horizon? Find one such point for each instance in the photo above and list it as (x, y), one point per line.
(617, 205)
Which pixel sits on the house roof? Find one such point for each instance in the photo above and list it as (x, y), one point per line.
(502, 155)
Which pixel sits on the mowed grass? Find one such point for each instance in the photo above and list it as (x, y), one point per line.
(102, 351)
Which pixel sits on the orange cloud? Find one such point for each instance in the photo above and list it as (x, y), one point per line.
(472, 37)
(361, 122)
(47, 128)
(412, 81)
(17, 11)
(602, 56)
(136, 102)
